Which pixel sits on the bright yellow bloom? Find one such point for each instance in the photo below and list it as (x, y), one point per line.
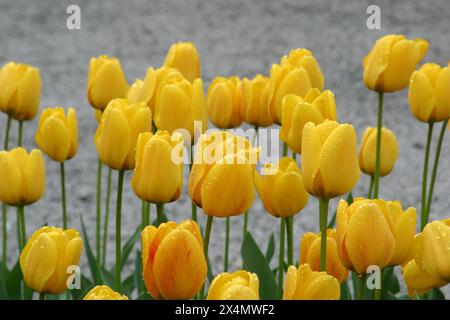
(329, 159)
(429, 93)
(239, 285)
(103, 293)
(315, 108)
(418, 280)
(22, 176)
(46, 257)
(281, 188)
(106, 81)
(254, 109)
(118, 131)
(57, 134)
(224, 101)
(392, 60)
(305, 284)
(184, 57)
(173, 263)
(20, 90)
(310, 254)
(304, 58)
(158, 177)
(388, 154)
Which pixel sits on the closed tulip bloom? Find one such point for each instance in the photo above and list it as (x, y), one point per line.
(297, 111)
(429, 93)
(184, 57)
(329, 159)
(103, 293)
(254, 101)
(46, 257)
(239, 285)
(106, 81)
(418, 280)
(310, 254)
(367, 151)
(57, 134)
(392, 60)
(118, 131)
(21, 90)
(23, 176)
(283, 193)
(306, 284)
(224, 102)
(158, 178)
(173, 263)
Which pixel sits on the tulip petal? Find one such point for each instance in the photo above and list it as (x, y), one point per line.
(421, 97)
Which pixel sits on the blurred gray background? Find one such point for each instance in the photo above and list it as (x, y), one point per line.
(240, 38)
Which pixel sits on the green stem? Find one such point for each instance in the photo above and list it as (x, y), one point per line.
(290, 240)
(281, 258)
(285, 149)
(19, 140)
(361, 285)
(377, 293)
(63, 195)
(42, 296)
(99, 197)
(118, 232)
(106, 222)
(19, 230)
(4, 207)
(227, 243)
(159, 213)
(369, 194)
(423, 208)
(205, 248)
(245, 227)
(294, 155)
(23, 233)
(145, 212)
(323, 208)
(193, 205)
(378, 149)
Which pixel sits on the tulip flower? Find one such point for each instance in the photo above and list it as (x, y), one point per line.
(184, 57)
(103, 293)
(239, 285)
(254, 108)
(46, 257)
(418, 280)
(305, 284)
(224, 102)
(173, 263)
(297, 111)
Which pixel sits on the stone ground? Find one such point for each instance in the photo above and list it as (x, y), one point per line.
(240, 38)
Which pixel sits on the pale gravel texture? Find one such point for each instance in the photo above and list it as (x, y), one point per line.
(240, 38)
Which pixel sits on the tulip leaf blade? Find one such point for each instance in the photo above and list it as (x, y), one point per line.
(13, 279)
(270, 248)
(389, 282)
(92, 261)
(129, 245)
(436, 294)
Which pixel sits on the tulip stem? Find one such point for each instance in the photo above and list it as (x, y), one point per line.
(42, 296)
(294, 155)
(369, 194)
(423, 209)
(245, 225)
(227, 243)
(106, 222)
(4, 208)
(281, 258)
(99, 196)
(361, 285)
(63, 195)
(206, 245)
(118, 232)
(193, 205)
(159, 213)
(19, 139)
(377, 293)
(435, 169)
(290, 240)
(285, 149)
(378, 149)
(323, 208)
(145, 214)
(21, 222)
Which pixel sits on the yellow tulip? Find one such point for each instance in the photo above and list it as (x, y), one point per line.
(418, 280)
(297, 111)
(23, 176)
(254, 108)
(20, 90)
(173, 263)
(239, 285)
(106, 81)
(103, 293)
(97, 115)
(184, 57)
(305, 284)
(57, 134)
(310, 254)
(224, 102)
(283, 193)
(429, 93)
(118, 131)
(158, 178)
(367, 151)
(46, 257)
(392, 60)
(329, 159)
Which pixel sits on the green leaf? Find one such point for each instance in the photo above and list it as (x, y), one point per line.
(86, 286)
(13, 282)
(436, 294)
(389, 281)
(270, 248)
(138, 281)
(93, 263)
(254, 261)
(345, 292)
(129, 245)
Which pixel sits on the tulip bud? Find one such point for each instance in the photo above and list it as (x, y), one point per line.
(103, 293)
(224, 102)
(305, 284)
(173, 262)
(254, 108)
(310, 254)
(23, 176)
(392, 60)
(106, 81)
(118, 131)
(281, 188)
(239, 285)
(429, 93)
(57, 135)
(158, 178)
(20, 90)
(46, 257)
(315, 108)
(388, 154)
(329, 159)
(418, 280)
(184, 57)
